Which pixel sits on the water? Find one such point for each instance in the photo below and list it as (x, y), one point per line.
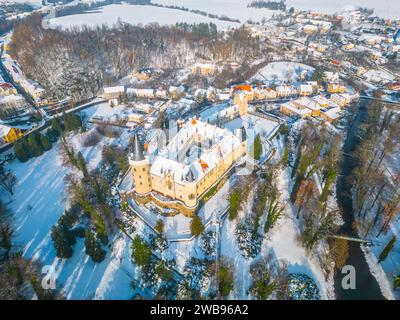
(366, 285)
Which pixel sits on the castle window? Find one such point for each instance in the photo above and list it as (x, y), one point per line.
(144, 169)
(191, 196)
(134, 169)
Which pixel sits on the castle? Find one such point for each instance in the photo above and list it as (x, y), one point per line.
(193, 161)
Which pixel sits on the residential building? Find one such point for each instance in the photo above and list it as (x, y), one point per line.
(113, 92)
(331, 114)
(9, 134)
(342, 99)
(291, 109)
(336, 88)
(205, 69)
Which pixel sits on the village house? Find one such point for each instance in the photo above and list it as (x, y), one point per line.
(223, 96)
(9, 134)
(331, 76)
(33, 89)
(305, 102)
(161, 93)
(205, 69)
(141, 93)
(336, 88)
(291, 109)
(341, 100)
(322, 101)
(143, 74)
(143, 107)
(284, 91)
(7, 89)
(264, 93)
(135, 117)
(246, 89)
(310, 29)
(332, 114)
(113, 92)
(13, 101)
(176, 92)
(394, 86)
(306, 90)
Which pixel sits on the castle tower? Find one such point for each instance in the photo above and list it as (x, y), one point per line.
(241, 101)
(140, 169)
(190, 197)
(242, 136)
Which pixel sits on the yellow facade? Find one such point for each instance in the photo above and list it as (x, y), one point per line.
(188, 193)
(141, 176)
(13, 135)
(336, 88)
(240, 100)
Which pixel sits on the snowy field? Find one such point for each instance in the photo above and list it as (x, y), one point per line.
(135, 14)
(237, 8)
(282, 71)
(39, 201)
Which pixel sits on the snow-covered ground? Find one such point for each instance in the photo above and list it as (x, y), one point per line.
(282, 71)
(237, 8)
(39, 201)
(282, 242)
(135, 14)
(384, 8)
(377, 76)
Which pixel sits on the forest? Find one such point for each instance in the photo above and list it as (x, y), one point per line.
(79, 61)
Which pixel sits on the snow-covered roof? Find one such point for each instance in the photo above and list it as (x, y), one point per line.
(218, 144)
(308, 103)
(334, 113)
(321, 100)
(116, 89)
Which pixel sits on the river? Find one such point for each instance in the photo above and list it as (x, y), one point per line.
(366, 285)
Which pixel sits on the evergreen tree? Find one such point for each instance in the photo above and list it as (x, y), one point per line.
(196, 226)
(93, 247)
(141, 251)
(82, 164)
(44, 141)
(257, 147)
(396, 282)
(234, 203)
(159, 226)
(57, 126)
(63, 240)
(162, 271)
(385, 252)
(34, 145)
(285, 158)
(75, 121)
(20, 152)
(225, 280)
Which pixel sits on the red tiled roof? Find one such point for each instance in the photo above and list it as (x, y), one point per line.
(6, 85)
(242, 87)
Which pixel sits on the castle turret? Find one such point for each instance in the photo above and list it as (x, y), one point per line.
(140, 168)
(190, 189)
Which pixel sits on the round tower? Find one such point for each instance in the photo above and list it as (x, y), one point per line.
(241, 101)
(140, 169)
